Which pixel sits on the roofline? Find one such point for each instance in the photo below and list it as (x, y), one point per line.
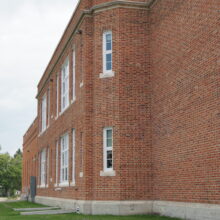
(34, 121)
(115, 4)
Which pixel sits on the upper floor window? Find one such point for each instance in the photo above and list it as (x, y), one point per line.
(107, 51)
(64, 177)
(74, 75)
(43, 168)
(57, 93)
(108, 148)
(44, 113)
(65, 86)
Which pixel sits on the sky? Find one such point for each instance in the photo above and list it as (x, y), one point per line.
(29, 33)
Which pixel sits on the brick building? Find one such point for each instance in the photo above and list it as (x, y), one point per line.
(129, 111)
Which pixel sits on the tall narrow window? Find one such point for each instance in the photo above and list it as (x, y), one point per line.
(57, 90)
(48, 107)
(107, 52)
(73, 160)
(43, 168)
(48, 166)
(74, 75)
(64, 177)
(44, 113)
(108, 148)
(65, 86)
(57, 158)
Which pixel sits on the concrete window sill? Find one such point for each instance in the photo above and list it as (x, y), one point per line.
(108, 173)
(106, 75)
(64, 185)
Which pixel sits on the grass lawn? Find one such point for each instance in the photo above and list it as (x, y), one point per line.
(6, 213)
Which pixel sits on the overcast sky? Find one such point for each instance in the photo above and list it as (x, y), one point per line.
(29, 33)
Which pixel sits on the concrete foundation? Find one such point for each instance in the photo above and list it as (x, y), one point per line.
(189, 211)
(99, 207)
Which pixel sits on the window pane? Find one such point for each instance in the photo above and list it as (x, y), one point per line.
(109, 155)
(108, 37)
(109, 159)
(109, 142)
(108, 45)
(66, 176)
(109, 66)
(108, 41)
(109, 134)
(109, 57)
(108, 61)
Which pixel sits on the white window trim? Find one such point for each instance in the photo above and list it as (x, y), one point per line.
(64, 182)
(74, 76)
(57, 95)
(57, 160)
(107, 171)
(66, 94)
(44, 113)
(48, 167)
(48, 108)
(106, 73)
(43, 168)
(73, 158)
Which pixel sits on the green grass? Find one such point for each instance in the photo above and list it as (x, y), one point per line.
(6, 213)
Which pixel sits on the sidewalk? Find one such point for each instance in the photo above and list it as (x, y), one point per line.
(3, 199)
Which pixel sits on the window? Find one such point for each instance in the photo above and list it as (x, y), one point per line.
(57, 94)
(74, 75)
(65, 86)
(107, 52)
(108, 147)
(57, 158)
(48, 107)
(44, 113)
(48, 166)
(74, 150)
(43, 168)
(64, 177)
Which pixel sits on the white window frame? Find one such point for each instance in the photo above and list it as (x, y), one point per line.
(48, 107)
(73, 157)
(57, 160)
(57, 88)
(64, 163)
(107, 52)
(74, 75)
(43, 167)
(44, 113)
(106, 149)
(65, 84)
(48, 167)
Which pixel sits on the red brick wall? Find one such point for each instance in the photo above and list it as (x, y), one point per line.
(30, 152)
(162, 104)
(185, 100)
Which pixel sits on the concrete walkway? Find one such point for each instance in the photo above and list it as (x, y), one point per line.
(48, 212)
(35, 209)
(3, 199)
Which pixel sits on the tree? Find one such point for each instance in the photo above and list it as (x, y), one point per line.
(10, 172)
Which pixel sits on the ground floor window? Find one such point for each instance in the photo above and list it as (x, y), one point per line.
(108, 148)
(64, 177)
(43, 167)
(74, 159)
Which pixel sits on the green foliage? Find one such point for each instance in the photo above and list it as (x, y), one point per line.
(10, 173)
